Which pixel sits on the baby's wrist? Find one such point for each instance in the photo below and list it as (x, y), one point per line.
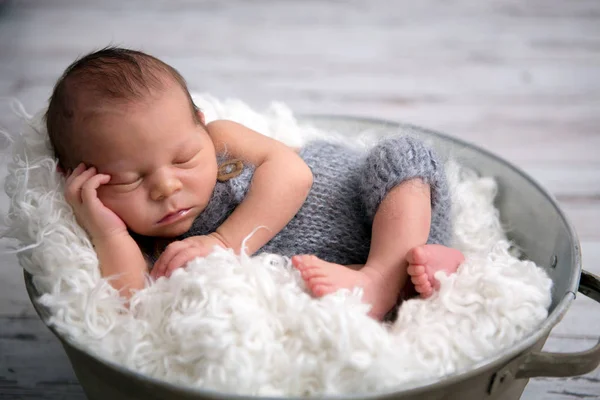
(113, 239)
(221, 238)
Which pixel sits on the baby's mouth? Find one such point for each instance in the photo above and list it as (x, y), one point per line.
(174, 216)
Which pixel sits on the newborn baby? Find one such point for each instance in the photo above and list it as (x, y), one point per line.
(155, 186)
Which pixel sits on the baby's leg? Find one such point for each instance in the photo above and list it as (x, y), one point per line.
(403, 159)
(401, 180)
(400, 224)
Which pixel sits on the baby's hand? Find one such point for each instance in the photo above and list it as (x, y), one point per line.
(81, 193)
(178, 253)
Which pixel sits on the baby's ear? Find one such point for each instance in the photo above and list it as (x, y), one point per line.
(60, 170)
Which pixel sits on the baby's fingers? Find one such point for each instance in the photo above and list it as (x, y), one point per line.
(160, 266)
(181, 259)
(75, 173)
(74, 187)
(88, 189)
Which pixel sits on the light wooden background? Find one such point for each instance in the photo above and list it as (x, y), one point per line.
(518, 77)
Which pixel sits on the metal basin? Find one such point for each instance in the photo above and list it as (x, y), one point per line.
(539, 227)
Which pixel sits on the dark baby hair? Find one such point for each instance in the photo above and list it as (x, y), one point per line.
(113, 74)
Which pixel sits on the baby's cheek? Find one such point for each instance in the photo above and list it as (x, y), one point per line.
(103, 192)
(115, 202)
(109, 198)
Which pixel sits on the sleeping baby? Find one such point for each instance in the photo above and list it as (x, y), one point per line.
(155, 186)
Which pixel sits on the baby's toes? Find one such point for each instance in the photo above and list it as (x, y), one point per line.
(417, 255)
(321, 289)
(415, 269)
(321, 280)
(301, 262)
(312, 272)
(319, 286)
(425, 290)
(420, 280)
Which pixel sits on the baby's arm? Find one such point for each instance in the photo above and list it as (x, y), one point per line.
(119, 255)
(279, 187)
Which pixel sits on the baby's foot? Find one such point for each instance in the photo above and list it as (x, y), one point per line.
(322, 278)
(424, 261)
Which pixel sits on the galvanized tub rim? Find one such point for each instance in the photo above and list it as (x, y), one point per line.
(416, 387)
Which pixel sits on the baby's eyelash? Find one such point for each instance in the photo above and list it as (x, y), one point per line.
(130, 183)
(125, 183)
(184, 160)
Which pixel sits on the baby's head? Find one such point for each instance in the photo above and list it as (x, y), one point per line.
(131, 117)
(105, 81)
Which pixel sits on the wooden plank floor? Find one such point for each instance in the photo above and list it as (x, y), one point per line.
(520, 78)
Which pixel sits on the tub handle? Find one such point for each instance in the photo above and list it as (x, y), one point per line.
(565, 364)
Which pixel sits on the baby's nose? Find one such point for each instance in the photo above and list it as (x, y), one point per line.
(165, 187)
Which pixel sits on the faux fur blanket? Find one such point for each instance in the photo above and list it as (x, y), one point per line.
(247, 324)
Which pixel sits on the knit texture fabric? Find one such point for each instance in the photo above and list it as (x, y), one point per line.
(335, 221)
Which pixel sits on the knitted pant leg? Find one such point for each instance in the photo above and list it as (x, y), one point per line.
(397, 159)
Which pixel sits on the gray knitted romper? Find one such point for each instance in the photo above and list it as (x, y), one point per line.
(348, 185)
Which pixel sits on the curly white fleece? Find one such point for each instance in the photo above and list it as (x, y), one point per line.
(246, 324)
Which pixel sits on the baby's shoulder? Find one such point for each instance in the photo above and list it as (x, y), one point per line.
(231, 135)
(225, 128)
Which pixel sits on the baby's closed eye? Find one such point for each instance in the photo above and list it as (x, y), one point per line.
(185, 160)
(124, 184)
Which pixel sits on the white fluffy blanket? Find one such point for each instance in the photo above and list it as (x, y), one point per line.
(247, 324)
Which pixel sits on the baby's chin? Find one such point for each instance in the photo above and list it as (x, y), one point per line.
(170, 231)
(175, 232)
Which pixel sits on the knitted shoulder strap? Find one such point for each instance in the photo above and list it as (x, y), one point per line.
(229, 169)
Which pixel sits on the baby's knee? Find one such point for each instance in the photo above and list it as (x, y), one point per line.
(392, 161)
(403, 156)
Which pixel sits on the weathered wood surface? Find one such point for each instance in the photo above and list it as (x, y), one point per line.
(520, 78)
